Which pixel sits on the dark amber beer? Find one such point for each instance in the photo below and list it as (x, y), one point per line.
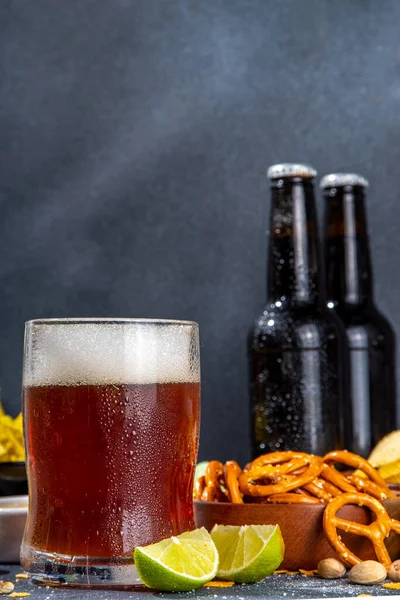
(111, 422)
(297, 347)
(349, 285)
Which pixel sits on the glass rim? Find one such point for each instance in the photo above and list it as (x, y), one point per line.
(109, 321)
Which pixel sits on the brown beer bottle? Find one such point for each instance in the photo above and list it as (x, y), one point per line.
(350, 294)
(297, 380)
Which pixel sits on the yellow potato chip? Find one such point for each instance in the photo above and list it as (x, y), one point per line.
(394, 479)
(390, 470)
(386, 451)
(11, 437)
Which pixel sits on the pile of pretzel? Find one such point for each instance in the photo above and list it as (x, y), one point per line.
(300, 478)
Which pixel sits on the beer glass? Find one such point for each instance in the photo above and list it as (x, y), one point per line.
(111, 415)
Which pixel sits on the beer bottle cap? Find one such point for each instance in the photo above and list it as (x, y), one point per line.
(342, 180)
(291, 170)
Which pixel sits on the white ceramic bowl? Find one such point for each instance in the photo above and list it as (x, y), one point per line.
(13, 513)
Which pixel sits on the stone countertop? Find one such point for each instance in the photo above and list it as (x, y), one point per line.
(277, 586)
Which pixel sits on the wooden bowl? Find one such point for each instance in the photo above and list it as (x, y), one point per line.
(301, 526)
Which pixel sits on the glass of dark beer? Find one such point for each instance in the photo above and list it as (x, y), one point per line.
(111, 415)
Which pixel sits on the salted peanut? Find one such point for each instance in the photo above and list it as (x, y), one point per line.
(394, 571)
(368, 572)
(6, 587)
(331, 568)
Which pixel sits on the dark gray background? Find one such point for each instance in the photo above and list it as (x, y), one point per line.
(134, 137)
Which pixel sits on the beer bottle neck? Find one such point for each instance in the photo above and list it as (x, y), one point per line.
(347, 252)
(293, 260)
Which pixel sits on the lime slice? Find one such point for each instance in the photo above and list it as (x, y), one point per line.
(248, 553)
(200, 469)
(178, 564)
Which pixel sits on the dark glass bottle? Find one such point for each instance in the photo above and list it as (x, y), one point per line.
(349, 286)
(297, 380)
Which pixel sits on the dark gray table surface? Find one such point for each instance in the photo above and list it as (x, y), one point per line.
(276, 586)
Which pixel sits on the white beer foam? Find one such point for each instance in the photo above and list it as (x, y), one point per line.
(110, 353)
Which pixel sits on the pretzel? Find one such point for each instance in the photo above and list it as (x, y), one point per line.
(333, 476)
(199, 486)
(366, 486)
(281, 468)
(302, 491)
(213, 477)
(280, 474)
(331, 488)
(293, 498)
(377, 531)
(317, 489)
(276, 472)
(273, 458)
(232, 471)
(357, 462)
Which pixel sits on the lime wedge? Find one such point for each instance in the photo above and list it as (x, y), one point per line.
(248, 553)
(178, 564)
